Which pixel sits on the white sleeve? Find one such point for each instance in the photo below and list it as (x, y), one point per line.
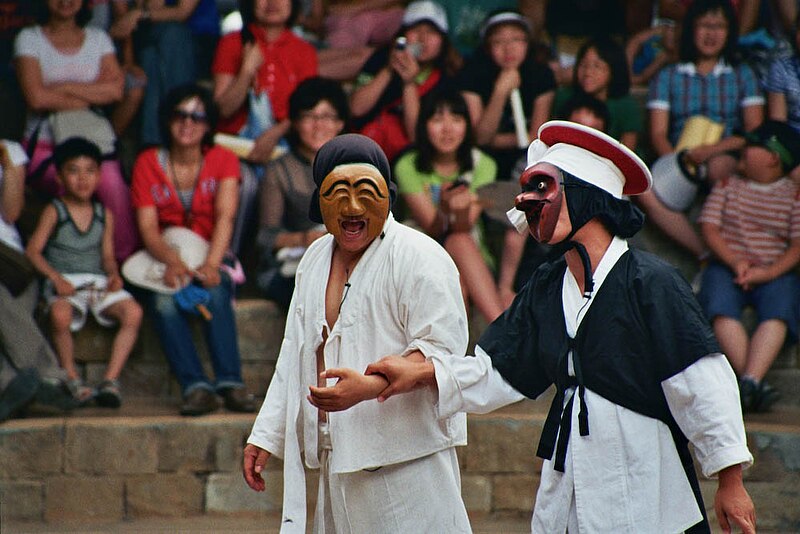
(471, 384)
(27, 43)
(704, 400)
(102, 42)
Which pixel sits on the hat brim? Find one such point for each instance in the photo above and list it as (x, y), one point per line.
(637, 176)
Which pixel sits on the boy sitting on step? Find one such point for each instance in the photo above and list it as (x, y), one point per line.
(72, 247)
(752, 226)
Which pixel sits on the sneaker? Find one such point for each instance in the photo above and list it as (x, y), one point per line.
(19, 393)
(199, 402)
(108, 394)
(766, 396)
(238, 400)
(748, 390)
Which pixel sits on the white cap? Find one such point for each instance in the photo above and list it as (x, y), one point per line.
(591, 156)
(505, 17)
(425, 11)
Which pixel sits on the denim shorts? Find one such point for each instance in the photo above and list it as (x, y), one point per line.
(777, 299)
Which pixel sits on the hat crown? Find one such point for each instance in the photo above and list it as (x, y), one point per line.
(426, 11)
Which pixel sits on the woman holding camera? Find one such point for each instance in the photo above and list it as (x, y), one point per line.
(385, 103)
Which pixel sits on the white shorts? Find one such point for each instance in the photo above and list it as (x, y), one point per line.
(91, 295)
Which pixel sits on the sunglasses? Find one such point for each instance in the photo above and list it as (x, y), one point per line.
(194, 116)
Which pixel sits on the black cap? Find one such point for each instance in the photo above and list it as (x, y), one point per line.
(780, 138)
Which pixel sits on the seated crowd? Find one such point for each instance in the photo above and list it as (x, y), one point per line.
(147, 120)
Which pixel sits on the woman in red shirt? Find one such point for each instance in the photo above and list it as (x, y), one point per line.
(194, 184)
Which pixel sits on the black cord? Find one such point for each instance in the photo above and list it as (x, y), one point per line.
(346, 289)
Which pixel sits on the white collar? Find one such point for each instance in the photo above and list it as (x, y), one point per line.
(722, 67)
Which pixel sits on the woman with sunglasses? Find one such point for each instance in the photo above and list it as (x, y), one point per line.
(194, 184)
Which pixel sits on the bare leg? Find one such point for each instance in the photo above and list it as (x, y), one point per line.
(674, 224)
(129, 315)
(476, 276)
(343, 63)
(60, 319)
(766, 342)
(734, 341)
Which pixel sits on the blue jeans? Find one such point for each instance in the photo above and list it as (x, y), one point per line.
(165, 51)
(172, 326)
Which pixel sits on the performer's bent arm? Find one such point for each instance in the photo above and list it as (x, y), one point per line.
(704, 401)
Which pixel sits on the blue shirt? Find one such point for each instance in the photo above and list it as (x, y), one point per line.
(719, 95)
(784, 78)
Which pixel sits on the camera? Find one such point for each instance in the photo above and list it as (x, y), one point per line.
(401, 43)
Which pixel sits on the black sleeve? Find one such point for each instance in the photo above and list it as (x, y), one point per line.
(511, 342)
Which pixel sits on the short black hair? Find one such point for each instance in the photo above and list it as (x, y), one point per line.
(582, 100)
(687, 50)
(177, 95)
(612, 53)
(75, 147)
(311, 92)
(42, 13)
(433, 102)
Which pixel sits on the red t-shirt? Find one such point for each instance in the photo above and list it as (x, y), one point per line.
(152, 187)
(288, 60)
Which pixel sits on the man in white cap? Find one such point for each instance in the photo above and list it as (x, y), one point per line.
(637, 370)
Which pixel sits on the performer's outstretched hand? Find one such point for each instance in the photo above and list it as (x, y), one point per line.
(732, 503)
(351, 388)
(403, 373)
(255, 459)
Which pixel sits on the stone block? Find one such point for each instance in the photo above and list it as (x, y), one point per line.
(142, 378)
(501, 445)
(260, 325)
(514, 492)
(96, 447)
(777, 508)
(31, 449)
(83, 498)
(476, 490)
(192, 445)
(21, 500)
(777, 455)
(164, 495)
(228, 493)
(257, 376)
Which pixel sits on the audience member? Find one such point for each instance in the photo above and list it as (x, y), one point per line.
(62, 66)
(601, 70)
(505, 64)
(385, 102)
(350, 30)
(14, 15)
(318, 111)
(192, 183)
(706, 83)
(438, 181)
(171, 39)
(467, 17)
(652, 49)
(28, 368)
(752, 225)
(73, 248)
(255, 70)
(783, 86)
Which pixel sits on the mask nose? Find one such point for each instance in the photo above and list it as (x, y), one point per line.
(352, 207)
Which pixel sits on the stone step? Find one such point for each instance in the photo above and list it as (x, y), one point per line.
(142, 461)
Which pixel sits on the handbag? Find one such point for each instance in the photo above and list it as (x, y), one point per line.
(84, 123)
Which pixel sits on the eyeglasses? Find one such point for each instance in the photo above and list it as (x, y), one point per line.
(194, 116)
(321, 117)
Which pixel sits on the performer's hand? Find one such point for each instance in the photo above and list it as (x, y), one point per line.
(351, 388)
(403, 374)
(255, 459)
(732, 504)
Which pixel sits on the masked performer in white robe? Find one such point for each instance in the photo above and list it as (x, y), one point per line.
(370, 287)
(636, 367)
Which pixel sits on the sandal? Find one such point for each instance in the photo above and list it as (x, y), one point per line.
(108, 394)
(82, 394)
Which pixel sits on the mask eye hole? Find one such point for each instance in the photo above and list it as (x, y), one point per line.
(540, 185)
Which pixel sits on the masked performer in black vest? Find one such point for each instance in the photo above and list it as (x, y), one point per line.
(637, 371)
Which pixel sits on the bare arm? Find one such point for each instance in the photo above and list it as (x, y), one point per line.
(225, 205)
(12, 188)
(659, 127)
(540, 113)
(776, 106)
(489, 122)
(364, 98)
(230, 91)
(176, 271)
(39, 97)
(719, 247)
(107, 88)
(37, 243)
(513, 247)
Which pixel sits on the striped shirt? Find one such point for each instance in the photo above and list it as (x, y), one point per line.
(756, 220)
(719, 95)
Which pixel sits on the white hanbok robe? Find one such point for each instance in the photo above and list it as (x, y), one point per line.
(403, 295)
(625, 476)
